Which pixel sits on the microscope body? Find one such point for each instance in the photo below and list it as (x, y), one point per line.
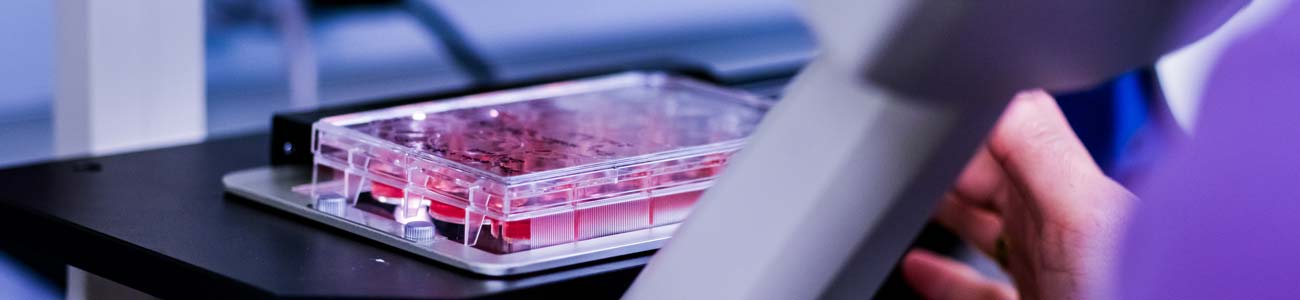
(879, 125)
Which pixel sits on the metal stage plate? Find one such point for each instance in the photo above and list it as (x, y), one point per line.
(272, 186)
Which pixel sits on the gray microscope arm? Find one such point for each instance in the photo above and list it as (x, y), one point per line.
(846, 169)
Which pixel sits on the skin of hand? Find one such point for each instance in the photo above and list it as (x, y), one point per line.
(1034, 188)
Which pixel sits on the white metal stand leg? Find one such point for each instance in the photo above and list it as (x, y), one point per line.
(85, 286)
(129, 75)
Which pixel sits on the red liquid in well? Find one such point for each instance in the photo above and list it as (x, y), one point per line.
(517, 230)
(583, 223)
(384, 190)
(672, 208)
(446, 212)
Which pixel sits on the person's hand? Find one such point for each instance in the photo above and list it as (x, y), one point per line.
(1033, 199)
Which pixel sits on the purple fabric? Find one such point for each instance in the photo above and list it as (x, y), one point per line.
(1221, 218)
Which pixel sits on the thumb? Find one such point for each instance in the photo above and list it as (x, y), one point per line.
(936, 277)
(1039, 151)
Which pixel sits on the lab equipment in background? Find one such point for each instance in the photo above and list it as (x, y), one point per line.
(901, 95)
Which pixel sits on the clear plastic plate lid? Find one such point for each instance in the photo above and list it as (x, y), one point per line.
(551, 149)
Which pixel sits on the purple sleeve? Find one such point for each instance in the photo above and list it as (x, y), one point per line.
(1221, 218)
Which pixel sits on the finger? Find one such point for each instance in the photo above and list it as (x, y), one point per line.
(977, 226)
(1038, 150)
(939, 278)
(982, 183)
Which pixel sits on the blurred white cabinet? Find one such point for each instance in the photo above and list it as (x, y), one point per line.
(129, 75)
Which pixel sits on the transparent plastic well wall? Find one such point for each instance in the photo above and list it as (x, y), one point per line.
(520, 169)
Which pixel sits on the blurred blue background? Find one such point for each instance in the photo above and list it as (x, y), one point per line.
(26, 79)
(372, 49)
